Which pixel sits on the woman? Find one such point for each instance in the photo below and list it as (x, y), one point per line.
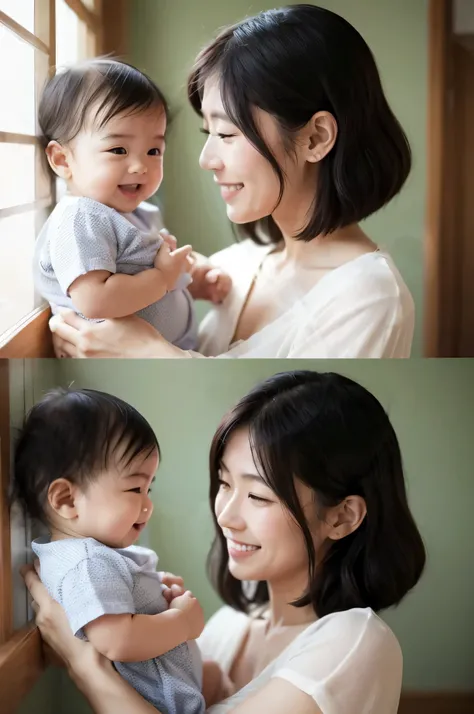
(304, 146)
(313, 537)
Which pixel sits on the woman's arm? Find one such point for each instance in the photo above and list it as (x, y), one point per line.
(105, 690)
(278, 697)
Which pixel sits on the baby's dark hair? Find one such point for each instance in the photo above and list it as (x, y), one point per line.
(74, 434)
(112, 86)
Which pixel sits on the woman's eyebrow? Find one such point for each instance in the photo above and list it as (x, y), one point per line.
(217, 115)
(249, 476)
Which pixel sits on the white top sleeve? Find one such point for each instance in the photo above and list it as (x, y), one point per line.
(357, 325)
(354, 664)
(346, 662)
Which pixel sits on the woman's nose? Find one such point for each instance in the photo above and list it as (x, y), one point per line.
(209, 160)
(229, 515)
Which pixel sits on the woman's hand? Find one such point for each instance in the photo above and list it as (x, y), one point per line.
(126, 337)
(54, 627)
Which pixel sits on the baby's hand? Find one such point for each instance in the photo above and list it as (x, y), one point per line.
(210, 283)
(173, 586)
(172, 261)
(192, 610)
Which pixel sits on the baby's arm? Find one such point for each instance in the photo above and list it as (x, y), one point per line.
(101, 294)
(134, 638)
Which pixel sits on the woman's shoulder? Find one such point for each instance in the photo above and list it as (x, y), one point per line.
(377, 270)
(242, 252)
(222, 633)
(358, 630)
(224, 619)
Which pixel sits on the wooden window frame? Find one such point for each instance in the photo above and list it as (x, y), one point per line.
(105, 27)
(21, 656)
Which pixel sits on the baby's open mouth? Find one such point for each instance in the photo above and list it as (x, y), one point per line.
(131, 189)
(139, 526)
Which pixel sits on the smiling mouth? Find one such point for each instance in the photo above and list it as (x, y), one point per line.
(139, 526)
(231, 186)
(242, 547)
(131, 188)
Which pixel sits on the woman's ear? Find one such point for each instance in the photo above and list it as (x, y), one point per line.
(61, 498)
(58, 158)
(346, 518)
(320, 135)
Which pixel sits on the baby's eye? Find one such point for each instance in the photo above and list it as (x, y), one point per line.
(118, 150)
(134, 490)
(154, 152)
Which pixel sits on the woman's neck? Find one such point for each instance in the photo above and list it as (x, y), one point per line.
(325, 251)
(282, 614)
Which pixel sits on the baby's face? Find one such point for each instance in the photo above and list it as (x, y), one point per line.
(116, 506)
(121, 164)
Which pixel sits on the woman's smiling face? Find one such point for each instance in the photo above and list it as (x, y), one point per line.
(264, 542)
(248, 184)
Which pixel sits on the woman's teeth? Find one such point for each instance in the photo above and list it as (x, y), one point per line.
(240, 546)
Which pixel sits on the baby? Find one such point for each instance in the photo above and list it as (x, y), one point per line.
(104, 252)
(83, 465)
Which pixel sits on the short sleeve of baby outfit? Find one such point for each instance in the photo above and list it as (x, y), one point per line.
(96, 586)
(352, 663)
(84, 240)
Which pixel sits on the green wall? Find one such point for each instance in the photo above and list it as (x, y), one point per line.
(431, 406)
(165, 36)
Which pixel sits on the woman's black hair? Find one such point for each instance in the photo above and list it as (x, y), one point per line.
(74, 434)
(334, 436)
(291, 63)
(109, 86)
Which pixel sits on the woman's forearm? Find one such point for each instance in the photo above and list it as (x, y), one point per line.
(106, 691)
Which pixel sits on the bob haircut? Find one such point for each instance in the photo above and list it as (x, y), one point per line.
(334, 436)
(75, 434)
(291, 63)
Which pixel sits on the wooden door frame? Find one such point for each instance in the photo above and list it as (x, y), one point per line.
(448, 211)
(440, 264)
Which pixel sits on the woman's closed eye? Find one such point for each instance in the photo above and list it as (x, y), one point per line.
(219, 134)
(225, 486)
(259, 499)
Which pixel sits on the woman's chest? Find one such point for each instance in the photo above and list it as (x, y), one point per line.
(270, 295)
(257, 651)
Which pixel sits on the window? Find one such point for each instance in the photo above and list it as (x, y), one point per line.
(21, 659)
(35, 37)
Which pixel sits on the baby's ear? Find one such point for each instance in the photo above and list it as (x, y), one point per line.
(61, 498)
(58, 159)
